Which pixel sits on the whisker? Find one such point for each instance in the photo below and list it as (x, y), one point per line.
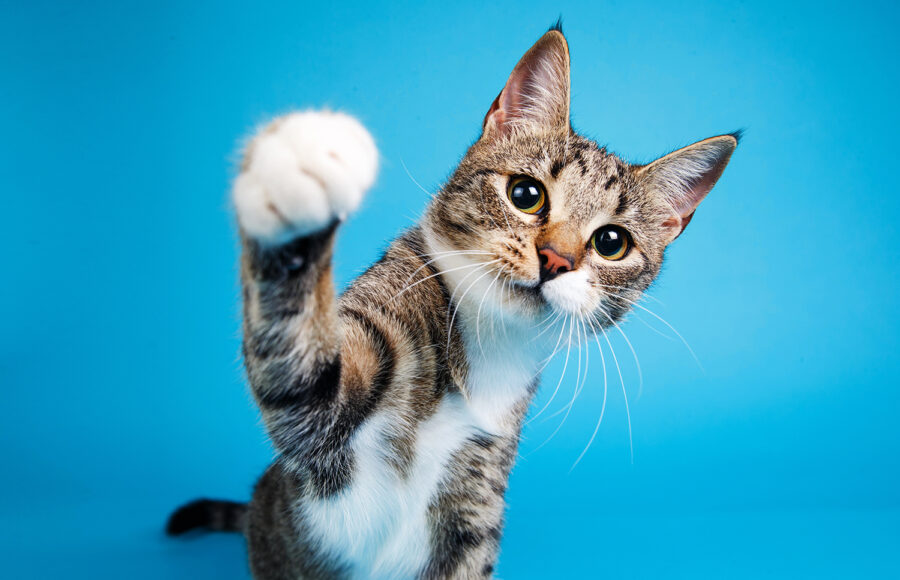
(562, 376)
(425, 279)
(556, 349)
(507, 299)
(478, 314)
(602, 407)
(633, 352)
(624, 394)
(437, 256)
(661, 319)
(643, 294)
(653, 328)
(459, 303)
(406, 169)
(444, 253)
(579, 385)
(548, 325)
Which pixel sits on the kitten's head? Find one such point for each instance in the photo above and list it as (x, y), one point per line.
(538, 219)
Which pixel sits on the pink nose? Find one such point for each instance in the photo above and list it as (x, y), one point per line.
(552, 264)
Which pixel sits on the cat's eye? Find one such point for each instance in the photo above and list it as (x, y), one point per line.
(527, 194)
(611, 242)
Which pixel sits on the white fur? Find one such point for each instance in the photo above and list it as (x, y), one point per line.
(570, 292)
(379, 523)
(302, 172)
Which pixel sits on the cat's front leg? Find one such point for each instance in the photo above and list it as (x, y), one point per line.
(301, 176)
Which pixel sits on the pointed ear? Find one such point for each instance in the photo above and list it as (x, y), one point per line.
(536, 96)
(684, 177)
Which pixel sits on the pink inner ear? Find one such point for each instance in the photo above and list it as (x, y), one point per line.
(672, 222)
(687, 203)
(494, 113)
(678, 222)
(537, 92)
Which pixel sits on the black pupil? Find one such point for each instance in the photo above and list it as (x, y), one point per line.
(609, 241)
(525, 194)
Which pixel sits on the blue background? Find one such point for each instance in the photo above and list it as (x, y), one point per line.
(122, 390)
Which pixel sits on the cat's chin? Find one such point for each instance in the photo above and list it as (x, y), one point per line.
(568, 293)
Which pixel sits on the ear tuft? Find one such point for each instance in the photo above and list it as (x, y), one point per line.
(557, 26)
(684, 177)
(536, 96)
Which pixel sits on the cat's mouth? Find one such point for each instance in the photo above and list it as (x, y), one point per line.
(566, 293)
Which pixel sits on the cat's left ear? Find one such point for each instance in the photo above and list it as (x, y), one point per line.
(685, 176)
(536, 96)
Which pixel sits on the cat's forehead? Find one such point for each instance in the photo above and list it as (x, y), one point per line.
(583, 179)
(587, 180)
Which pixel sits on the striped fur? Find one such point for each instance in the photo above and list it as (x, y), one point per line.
(396, 408)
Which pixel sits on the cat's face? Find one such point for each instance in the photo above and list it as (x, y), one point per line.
(538, 220)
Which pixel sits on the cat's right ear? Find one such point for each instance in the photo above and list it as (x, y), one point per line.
(684, 177)
(536, 96)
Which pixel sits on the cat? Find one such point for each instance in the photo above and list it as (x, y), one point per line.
(396, 409)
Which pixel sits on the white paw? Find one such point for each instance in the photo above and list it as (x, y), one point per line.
(301, 172)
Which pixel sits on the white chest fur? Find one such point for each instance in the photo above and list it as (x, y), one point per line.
(379, 523)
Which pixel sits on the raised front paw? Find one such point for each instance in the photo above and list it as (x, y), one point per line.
(302, 172)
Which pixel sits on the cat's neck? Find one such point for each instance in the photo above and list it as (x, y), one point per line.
(503, 354)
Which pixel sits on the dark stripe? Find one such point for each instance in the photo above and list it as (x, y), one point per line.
(556, 168)
(265, 344)
(581, 165)
(482, 172)
(413, 240)
(383, 377)
(482, 440)
(454, 540)
(318, 387)
(623, 203)
(461, 228)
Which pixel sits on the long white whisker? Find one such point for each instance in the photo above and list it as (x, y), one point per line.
(507, 299)
(548, 323)
(624, 394)
(406, 169)
(568, 406)
(425, 279)
(453, 296)
(437, 256)
(579, 385)
(653, 328)
(643, 294)
(602, 406)
(459, 303)
(661, 319)
(556, 349)
(633, 353)
(478, 313)
(565, 365)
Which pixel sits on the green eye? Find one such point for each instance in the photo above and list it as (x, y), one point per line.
(611, 242)
(526, 194)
